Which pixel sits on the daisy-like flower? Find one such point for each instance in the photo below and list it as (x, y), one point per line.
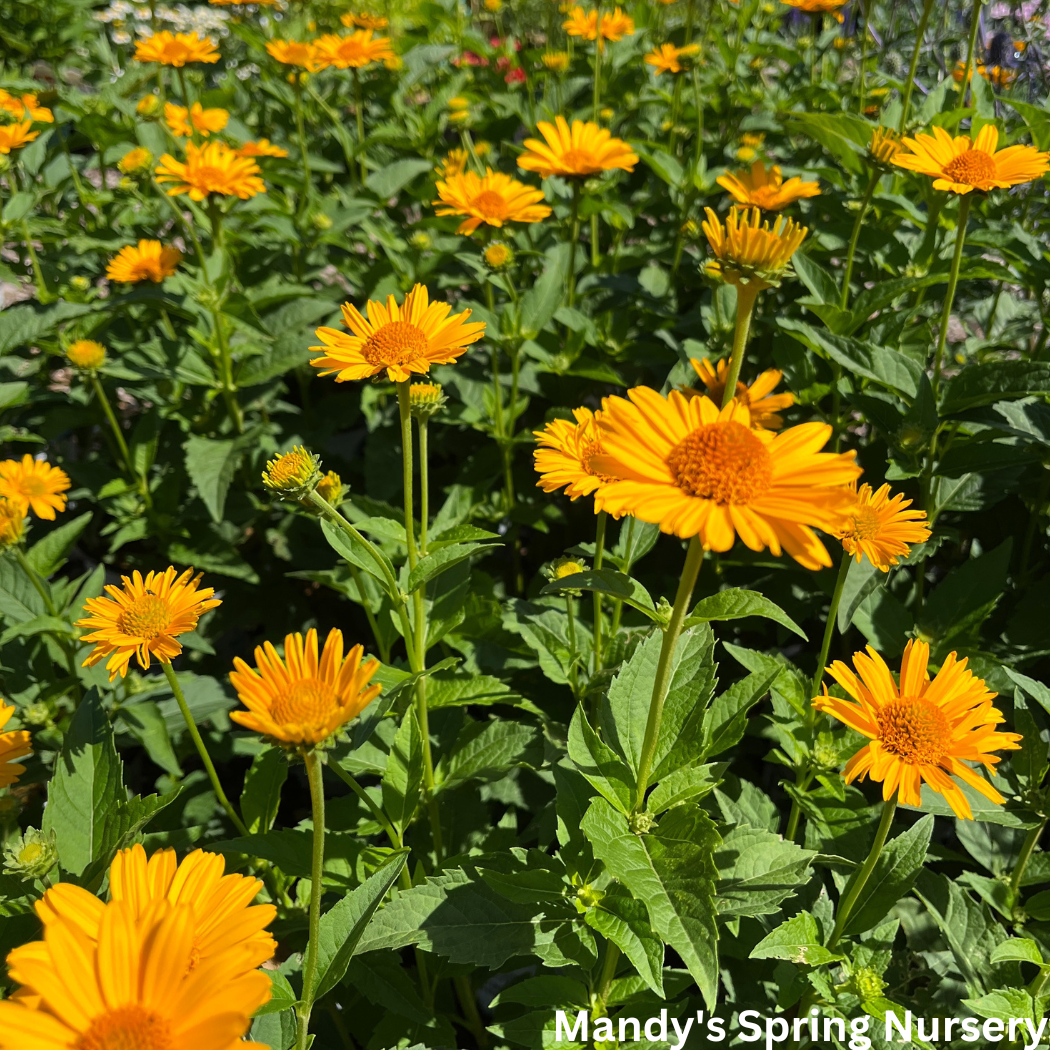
(668, 59)
(137, 159)
(211, 168)
(184, 122)
(566, 453)
(747, 250)
(147, 106)
(617, 25)
(226, 924)
(759, 188)
(763, 404)
(148, 261)
(14, 745)
(331, 488)
(303, 699)
(884, 146)
(12, 525)
(577, 152)
(492, 199)
(14, 136)
(25, 107)
(498, 255)
(294, 53)
(175, 49)
(144, 617)
(400, 340)
(261, 148)
(34, 485)
(132, 987)
(582, 24)
(919, 730)
(818, 7)
(354, 51)
(882, 528)
(555, 61)
(86, 354)
(962, 164)
(695, 470)
(454, 163)
(364, 20)
(293, 474)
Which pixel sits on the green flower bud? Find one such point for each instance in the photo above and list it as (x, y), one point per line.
(31, 856)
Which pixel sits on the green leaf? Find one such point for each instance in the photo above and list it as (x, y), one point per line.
(797, 941)
(211, 465)
(343, 927)
(442, 560)
(540, 302)
(20, 601)
(967, 595)
(487, 750)
(843, 135)
(984, 384)
(605, 771)
(1005, 1005)
(687, 784)
(734, 603)
(25, 323)
(403, 775)
(145, 722)
(726, 719)
(389, 181)
(261, 796)
(671, 869)
(48, 555)
(354, 551)
(1018, 949)
(625, 921)
(610, 582)
(862, 578)
(758, 871)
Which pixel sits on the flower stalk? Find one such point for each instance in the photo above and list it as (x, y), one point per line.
(851, 252)
(574, 236)
(599, 556)
(313, 772)
(746, 295)
(909, 83)
(949, 295)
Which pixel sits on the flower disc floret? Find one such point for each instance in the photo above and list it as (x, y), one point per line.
(86, 354)
(293, 475)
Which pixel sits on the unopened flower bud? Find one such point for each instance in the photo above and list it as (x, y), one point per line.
(424, 399)
(31, 856)
(293, 475)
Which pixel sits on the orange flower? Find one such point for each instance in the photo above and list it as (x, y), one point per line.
(175, 49)
(354, 51)
(616, 26)
(763, 189)
(577, 152)
(184, 122)
(666, 58)
(294, 53)
(14, 745)
(12, 136)
(262, 148)
(882, 528)
(149, 261)
(364, 21)
(33, 484)
(759, 397)
(211, 168)
(582, 24)
(565, 455)
(817, 7)
(494, 199)
(25, 108)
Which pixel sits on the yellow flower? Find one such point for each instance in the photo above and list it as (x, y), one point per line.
(667, 58)
(364, 21)
(919, 730)
(493, 5)
(33, 484)
(459, 116)
(564, 567)
(211, 168)
(147, 105)
(882, 528)
(14, 136)
(817, 7)
(763, 189)
(293, 474)
(149, 261)
(86, 354)
(25, 107)
(763, 404)
(616, 26)
(175, 49)
(577, 152)
(492, 199)
(425, 399)
(748, 250)
(294, 53)
(354, 51)
(582, 24)
(303, 699)
(184, 122)
(400, 340)
(455, 163)
(482, 148)
(12, 525)
(225, 922)
(135, 160)
(145, 616)
(132, 987)
(565, 457)
(745, 153)
(884, 146)
(458, 102)
(498, 255)
(262, 148)
(754, 139)
(694, 470)
(14, 744)
(556, 61)
(331, 488)
(963, 164)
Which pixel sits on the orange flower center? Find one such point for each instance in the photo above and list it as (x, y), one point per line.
(146, 617)
(293, 466)
(723, 462)
(971, 168)
(307, 702)
(206, 176)
(490, 204)
(396, 343)
(33, 486)
(865, 525)
(915, 730)
(127, 1028)
(576, 159)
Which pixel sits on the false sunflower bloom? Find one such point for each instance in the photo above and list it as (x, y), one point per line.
(582, 24)
(211, 168)
(14, 745)
(12, 526)
(882, 528)
(566, 453)
(748, 250)
(25, 107)
(14, 136)
(146, 261)
(144, 617)
(294, 53)
(175, 49)
(759, 188)
(818, 7)
(616, 26)
(919, 730)
(668, 59)
(86, 354)
(575, 152)
(185, 122)
(763, 404)
(885, 144)
(695, 470)
(493, 199)
(455, 163)
(962, 164)
(303, 699)
(400, 340)
(226, 923)
(34, 485)
(137, 159)
(354, 51)
(132, 987)
(260, 148)
(364, 20)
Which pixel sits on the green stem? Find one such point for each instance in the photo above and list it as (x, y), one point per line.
(574, 237)
(599, 555)
(909, 84)
(949, 295)
(746, 294)
(118, 434)
(855, 236)
(301, 125)
(313, 771)
(209, 766)
(662, 680)
(424, 485)
(360, 115)
(49, 605)
(574, 682)
(971, 46)
(1027, 849)
(608, 975)
(617, 604)
(406, 470)
(597, 62)
(467, 999)
(829, 626)
(377, 813)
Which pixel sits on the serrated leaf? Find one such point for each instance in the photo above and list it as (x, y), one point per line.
(625, 921)
(605, 771)
(797, 941)
(441, 560)
(1017, 949)
(47, 555)
(487, 750)
(687, 784)
(610, 582)
(757, 871)
(735, 603)
(984, 384)
(726, 719)
(403, 775)
(261, 795)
